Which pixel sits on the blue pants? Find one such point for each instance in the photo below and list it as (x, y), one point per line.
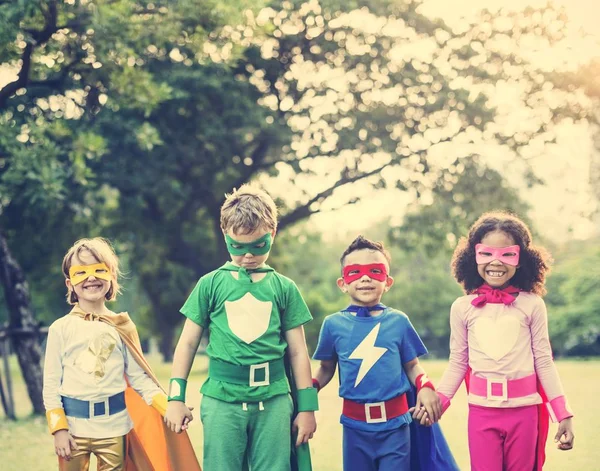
(387, 450)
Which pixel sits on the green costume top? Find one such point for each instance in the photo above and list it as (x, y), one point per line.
(246, 321)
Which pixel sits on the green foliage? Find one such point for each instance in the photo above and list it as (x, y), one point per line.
(574, 300)
(424, 290)
(301, 254)
(459, 197)
(132, 119)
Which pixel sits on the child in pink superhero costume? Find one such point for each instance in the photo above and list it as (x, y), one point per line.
(499, 345)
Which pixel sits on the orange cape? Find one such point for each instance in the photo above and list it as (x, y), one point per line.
(151, 446)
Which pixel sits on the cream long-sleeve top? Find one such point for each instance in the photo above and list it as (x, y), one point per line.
(501, 341)
(89, 361)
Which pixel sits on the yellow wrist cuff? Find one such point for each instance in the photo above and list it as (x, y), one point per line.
(159, 402)
(57, 420)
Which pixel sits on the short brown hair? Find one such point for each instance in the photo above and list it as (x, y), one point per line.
(101, 249)
(361, 243)
(248, 209)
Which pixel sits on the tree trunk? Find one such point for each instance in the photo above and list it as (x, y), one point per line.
(23, 329)
(166, 343)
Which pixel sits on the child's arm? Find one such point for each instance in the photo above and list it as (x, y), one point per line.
(325, 373)
(178, 414)
(458, 362)
(427, 400)
(143, 384)
(57, 420)
(305, 422)
(548, 376)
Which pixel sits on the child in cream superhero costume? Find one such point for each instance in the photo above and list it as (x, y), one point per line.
(499, 345)
(255, 317)
(92, 354)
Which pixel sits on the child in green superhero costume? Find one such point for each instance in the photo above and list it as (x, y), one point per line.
(255, 317)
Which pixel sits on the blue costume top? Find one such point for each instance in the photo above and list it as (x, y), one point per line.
(371, 352)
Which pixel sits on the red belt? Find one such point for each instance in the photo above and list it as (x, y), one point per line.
(375, 412)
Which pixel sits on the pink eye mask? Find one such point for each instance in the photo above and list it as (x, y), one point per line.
(508, 255)
(375, 271)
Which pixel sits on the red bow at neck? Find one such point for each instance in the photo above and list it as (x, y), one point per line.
(487, 294)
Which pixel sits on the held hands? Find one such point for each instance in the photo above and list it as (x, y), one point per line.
(564, 436)
(428, 408)
(64, 443)
(305, 425)
(178, 416)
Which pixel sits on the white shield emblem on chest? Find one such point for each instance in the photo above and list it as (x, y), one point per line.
(248, 318)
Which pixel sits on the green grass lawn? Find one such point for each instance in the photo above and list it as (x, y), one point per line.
(26, 444)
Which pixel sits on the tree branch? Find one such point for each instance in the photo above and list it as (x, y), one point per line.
(258, 156)
(304, 211)
(40, 38)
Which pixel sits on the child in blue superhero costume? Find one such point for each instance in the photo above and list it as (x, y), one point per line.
(377, 350)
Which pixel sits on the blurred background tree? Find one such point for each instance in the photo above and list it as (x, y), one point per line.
(132, 119)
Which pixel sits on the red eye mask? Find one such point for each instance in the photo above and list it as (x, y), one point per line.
(508, 255)
(375, 271)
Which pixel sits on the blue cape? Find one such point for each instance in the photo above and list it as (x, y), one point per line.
(429, 450)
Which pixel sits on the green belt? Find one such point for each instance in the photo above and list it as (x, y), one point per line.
(261, 374)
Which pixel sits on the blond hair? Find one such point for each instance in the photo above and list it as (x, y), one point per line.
(101, 249)
(248, 209)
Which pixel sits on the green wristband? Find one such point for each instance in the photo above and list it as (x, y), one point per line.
(307, 400)
(177, 389)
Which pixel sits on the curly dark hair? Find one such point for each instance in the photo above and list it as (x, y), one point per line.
(534, 262)
(363, 243)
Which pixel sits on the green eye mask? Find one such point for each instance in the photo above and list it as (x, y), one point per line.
(259, 246)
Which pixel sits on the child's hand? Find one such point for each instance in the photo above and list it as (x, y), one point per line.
(564, 436)
(429, 400)
(306, 425)
(64, 443)
(178, 416)
(420, 415)
(187, 419)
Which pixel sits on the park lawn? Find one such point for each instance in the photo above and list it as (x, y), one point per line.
(26, 445)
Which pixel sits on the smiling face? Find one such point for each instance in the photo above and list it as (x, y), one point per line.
(495, 273)
(91, 290)
(365, 291)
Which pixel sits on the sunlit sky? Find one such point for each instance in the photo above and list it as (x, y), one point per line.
(562, 206)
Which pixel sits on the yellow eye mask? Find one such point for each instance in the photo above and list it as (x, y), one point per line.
(79, 273)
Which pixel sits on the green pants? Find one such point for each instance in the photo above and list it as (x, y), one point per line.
(256, 432)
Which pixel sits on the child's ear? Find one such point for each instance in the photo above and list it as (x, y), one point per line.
(389, 282)
(342, 285)
(68, 283)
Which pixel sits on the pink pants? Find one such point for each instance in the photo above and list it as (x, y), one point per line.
(502, 439)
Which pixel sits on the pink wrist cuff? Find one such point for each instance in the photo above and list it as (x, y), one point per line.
(445, 401)
(559, 409)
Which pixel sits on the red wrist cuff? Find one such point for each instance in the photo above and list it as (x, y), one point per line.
(423, 381)
(316, 384)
